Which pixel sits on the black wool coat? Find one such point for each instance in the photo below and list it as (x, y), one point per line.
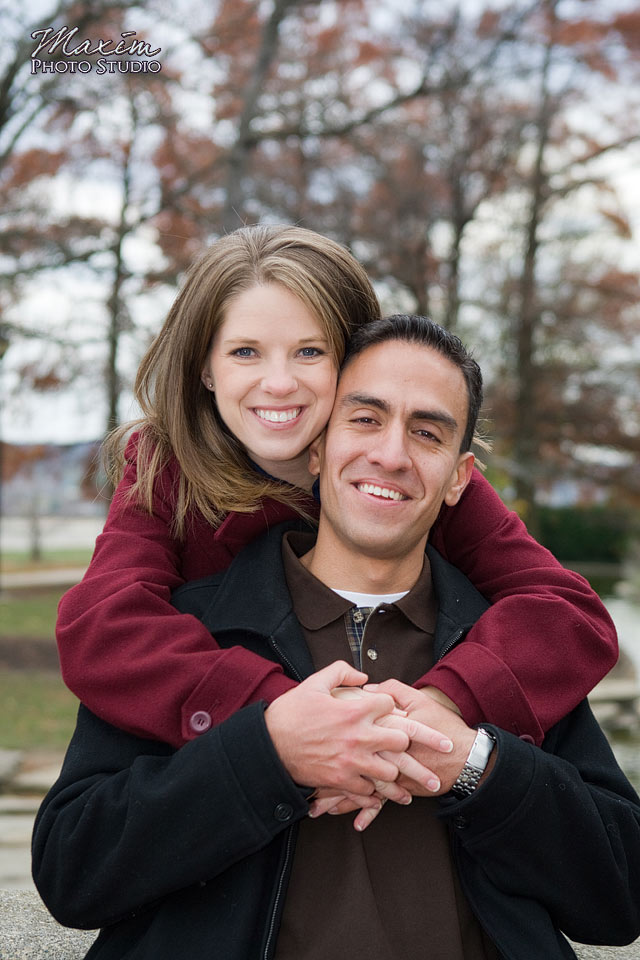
(185, 854)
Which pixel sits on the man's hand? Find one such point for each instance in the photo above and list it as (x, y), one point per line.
(344, 743)
(420, 706)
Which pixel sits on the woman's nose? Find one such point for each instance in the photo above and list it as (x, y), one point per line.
(278, 380)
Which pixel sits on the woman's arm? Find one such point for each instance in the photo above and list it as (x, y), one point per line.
(128, 654)
(547, 638)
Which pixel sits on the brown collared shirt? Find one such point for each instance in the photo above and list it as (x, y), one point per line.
(391, 892)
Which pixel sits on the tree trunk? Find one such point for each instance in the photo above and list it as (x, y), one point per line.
(233, 214)
(527, 320)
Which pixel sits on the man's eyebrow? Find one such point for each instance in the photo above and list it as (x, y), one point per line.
(436, 416)
(364, 400)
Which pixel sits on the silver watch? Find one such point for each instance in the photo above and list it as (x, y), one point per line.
(475, 764)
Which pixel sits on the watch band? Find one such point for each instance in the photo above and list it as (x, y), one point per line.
(475, 764)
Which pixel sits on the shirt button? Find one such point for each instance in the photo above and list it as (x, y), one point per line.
(526, 738)
(372, 654)
(284, 811)
(200, 721)
(358, 616)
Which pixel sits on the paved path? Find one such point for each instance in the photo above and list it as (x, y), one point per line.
(24, 780)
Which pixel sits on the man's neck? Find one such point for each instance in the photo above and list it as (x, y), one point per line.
(340, 568)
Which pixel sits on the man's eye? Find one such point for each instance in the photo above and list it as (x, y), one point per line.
(428, 435)
(243, 352)
(364, 420)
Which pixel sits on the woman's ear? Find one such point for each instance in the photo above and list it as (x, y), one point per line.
(207, 380)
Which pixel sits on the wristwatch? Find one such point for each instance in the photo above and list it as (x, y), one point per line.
(475, 764)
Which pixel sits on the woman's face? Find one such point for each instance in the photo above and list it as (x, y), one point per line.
(274, 378)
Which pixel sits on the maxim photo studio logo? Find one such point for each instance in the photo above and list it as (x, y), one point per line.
(60, 52)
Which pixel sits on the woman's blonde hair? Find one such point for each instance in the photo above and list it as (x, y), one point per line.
(180, 418)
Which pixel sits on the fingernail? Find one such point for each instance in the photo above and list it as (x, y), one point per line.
(334, 811)
(446, 745)
(433, 785)
(406, 800)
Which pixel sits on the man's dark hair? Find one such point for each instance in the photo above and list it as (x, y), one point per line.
(423, 331)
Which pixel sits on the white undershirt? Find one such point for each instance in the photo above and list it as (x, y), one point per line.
(370, 599)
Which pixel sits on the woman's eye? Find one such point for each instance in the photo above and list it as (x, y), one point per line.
(311, 352)
(243, 352)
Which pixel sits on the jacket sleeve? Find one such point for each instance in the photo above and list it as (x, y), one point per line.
(97, 857)
(559, 826)
(547, 638)
(128, 654)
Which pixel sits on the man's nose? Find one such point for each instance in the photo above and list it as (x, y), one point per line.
(278, 379)
(390, 450)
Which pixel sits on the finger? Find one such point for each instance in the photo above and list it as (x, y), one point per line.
(339, 674)
(418, 732)
(357, 693)
(403, 695)
(366, 817)
(409, 767)
(323, 805)
(381, 766)
(392, 791)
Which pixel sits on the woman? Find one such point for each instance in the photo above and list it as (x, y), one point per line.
(238, 382)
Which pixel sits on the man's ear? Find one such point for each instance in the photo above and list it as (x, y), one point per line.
(460, 478)
(316, 449)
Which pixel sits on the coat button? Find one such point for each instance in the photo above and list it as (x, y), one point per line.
(200, 721)
(372, 654)
(284, 811)
(460, 823)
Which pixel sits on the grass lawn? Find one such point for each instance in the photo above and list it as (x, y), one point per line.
(29, 613)
(13, 561)
(37, 712)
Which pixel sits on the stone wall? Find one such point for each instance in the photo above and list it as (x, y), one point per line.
(27, 932)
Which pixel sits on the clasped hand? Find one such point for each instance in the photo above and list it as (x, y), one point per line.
(359, 747)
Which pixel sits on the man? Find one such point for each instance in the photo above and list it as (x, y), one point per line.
(208, 851)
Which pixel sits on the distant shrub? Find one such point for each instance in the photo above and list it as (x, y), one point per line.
(600, 534)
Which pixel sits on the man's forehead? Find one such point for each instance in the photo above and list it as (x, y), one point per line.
(399, 366)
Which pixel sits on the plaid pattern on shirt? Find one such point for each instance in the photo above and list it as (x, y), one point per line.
(355, 621)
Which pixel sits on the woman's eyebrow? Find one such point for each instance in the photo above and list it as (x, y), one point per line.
(252, 342)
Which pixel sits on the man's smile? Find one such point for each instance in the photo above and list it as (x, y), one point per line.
(383, 492)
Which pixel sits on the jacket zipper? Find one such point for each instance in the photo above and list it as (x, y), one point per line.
(451, 643)
(289, 841)
(276, 902)
(285, 659)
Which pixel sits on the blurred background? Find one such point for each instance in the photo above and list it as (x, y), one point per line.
(481, 158)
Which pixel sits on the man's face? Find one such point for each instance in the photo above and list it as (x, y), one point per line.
(391, 453)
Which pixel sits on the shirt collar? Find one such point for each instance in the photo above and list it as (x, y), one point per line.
(316, 605)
